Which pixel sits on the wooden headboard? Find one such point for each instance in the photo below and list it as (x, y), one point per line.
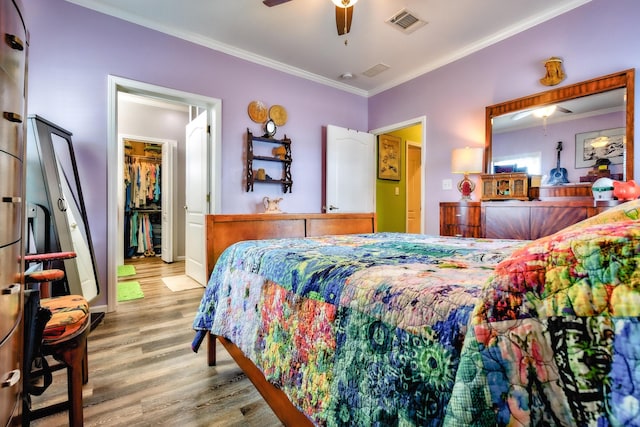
(224, 230)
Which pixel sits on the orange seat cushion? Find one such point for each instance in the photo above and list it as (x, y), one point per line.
(44, 276)
(69, 317)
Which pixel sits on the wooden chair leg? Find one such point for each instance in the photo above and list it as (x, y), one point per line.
(85, 364)
(73, 354)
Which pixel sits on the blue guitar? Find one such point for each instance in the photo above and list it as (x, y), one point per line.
(558, 175)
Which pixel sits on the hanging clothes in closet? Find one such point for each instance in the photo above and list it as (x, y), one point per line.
(142, 206)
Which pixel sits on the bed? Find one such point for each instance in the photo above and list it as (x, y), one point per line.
(400, 329)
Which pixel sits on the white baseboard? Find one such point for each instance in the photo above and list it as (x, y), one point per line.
(98, 309)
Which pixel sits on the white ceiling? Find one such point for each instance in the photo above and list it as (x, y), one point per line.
(300, 37)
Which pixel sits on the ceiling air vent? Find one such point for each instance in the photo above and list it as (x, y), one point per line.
(376, 69)
(406, 21)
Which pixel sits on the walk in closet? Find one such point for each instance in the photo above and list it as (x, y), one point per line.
(143, 199)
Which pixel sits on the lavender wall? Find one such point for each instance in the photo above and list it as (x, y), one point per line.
(73, 50)
(595, 39)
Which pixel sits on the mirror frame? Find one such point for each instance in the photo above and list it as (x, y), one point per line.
(622, 79)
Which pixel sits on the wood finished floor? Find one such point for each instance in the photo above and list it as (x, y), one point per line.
(142, 371)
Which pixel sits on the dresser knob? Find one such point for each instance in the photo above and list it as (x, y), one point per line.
(12, 117)
(12, 379)
(12, 290)
(14, 42)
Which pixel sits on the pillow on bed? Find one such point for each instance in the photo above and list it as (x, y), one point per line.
(586, 270)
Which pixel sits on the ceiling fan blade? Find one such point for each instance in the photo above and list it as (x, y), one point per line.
(522, 115)
(343, 19)
(272, 3)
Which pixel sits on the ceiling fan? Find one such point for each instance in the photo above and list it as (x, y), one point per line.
(344, 13)
(543, 112)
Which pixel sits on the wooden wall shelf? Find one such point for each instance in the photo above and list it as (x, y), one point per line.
(285, 179)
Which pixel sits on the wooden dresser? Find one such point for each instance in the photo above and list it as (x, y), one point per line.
(224, 230)
(13, 58)
(514, 219)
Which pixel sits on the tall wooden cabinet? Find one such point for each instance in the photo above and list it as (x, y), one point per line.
(13, 59)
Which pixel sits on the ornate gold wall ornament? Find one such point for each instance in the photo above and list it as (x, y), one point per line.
(554, 74)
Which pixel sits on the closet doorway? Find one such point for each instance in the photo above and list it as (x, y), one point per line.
(148, 211)
(195, 105)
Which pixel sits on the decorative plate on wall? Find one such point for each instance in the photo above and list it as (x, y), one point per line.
(278, 114)
(257, 111)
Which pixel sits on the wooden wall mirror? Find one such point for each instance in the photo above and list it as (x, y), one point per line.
(601, 106)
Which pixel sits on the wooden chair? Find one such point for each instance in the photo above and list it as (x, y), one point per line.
(64, 338)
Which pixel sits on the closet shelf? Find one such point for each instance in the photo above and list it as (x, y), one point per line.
(147, 210)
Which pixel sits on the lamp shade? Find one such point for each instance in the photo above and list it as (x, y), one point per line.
(467, 160)
(344, 3)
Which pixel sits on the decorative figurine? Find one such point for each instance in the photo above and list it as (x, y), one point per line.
(626, 190)
(554, 74)
(272, 205)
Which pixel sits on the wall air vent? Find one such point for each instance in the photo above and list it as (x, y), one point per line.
(406, 21)
(376, 69)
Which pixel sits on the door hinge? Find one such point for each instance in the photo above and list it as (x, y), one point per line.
(209, 129)
(208, 197)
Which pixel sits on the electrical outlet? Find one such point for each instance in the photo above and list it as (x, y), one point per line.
(397, 191)
(447, 184)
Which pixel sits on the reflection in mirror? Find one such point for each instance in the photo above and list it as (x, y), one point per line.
(563, 127)
(57, 219)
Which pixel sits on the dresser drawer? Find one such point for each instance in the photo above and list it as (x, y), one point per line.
(10, 199)
(507, 222)
(10, 373)
(10, 287)
(460, 219)
(13, 44)
(12, 104)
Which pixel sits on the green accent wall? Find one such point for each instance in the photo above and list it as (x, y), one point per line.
(391, 209)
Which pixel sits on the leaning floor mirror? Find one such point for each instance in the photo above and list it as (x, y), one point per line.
(56, 216)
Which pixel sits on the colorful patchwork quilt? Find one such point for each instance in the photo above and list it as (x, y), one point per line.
(412, 330)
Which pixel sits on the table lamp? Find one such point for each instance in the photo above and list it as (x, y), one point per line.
(466, 161)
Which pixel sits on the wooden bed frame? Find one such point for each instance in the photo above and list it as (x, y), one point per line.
(224, 230)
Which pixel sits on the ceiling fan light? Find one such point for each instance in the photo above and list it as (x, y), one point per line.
(344, 3)
(600, 142)
(544, 112)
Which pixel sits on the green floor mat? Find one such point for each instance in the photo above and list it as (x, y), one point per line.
(129, 290)
(126, 270)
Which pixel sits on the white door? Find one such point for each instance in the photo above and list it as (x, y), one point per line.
(350, 171)
(196, 194)
(167, 174)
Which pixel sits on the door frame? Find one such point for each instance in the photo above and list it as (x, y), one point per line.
(408, 144)
(214, 116)
(422, 121)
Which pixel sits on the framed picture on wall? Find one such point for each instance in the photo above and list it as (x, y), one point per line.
(602, 144)
(389, 157)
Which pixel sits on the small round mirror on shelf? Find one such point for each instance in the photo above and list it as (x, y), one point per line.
(269, 128)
